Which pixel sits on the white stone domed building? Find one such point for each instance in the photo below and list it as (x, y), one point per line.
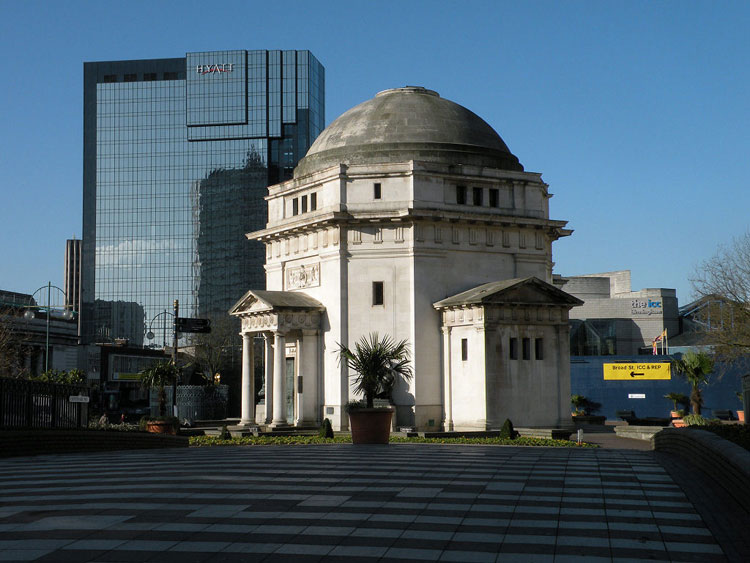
(410, 217)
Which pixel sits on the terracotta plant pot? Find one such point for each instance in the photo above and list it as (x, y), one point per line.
(678, 423)
(370, 426)
(160, 427)
(741, 416)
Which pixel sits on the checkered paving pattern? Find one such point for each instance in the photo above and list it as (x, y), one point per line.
(402, 502)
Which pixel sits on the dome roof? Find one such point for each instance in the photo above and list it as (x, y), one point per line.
(410, 123)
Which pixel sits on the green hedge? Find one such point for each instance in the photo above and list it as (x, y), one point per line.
(201, 441)
(737, 433)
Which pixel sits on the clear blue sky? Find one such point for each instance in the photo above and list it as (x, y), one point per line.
(635, 112)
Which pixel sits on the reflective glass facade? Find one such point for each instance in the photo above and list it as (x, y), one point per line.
(177, 157)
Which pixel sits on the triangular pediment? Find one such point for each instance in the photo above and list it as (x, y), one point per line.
(519, 291)
(262, 301)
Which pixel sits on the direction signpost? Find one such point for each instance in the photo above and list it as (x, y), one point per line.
(185, 324)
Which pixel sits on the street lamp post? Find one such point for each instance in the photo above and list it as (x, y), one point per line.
(67, 313)
(150, 334)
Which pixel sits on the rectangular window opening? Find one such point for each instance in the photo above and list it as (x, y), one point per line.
(494, 197)
(513, 349)
(526, 348)
(464, 349)
(304, 204)
(295, 206)
(131, 77)
(377, 191)
(313, 202)
(539, 348)
(377, 293)
(461, 195)
(110, 78)
(477, 194)
(149, 76)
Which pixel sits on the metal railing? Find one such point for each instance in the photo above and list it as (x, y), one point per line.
(38, 404)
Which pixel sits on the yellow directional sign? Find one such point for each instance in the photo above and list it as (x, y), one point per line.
(637, 371)
(122, 376)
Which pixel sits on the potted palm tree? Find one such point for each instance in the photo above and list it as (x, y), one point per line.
(677, 399)
(695, 368)
(580, 403)
(376, 363)
(158, 376)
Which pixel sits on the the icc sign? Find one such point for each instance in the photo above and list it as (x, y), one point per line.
(637, 371)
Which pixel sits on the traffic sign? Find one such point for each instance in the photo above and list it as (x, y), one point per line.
(185, 324)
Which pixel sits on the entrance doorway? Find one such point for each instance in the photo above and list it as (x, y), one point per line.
(289, 399)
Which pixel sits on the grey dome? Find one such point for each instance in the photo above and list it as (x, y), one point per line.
(410, 123)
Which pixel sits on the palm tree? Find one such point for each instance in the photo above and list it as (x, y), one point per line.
(677, 399)
(376, 362)
(158, 376)
(695, 368)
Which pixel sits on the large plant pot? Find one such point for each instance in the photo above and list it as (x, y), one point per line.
(160, 427)
(370, 426)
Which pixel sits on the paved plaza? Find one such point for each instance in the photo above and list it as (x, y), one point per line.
(406, 502)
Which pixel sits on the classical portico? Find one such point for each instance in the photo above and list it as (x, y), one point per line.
(289, 323)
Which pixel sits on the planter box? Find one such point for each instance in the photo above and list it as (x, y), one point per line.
(160, 427)
(370, 426)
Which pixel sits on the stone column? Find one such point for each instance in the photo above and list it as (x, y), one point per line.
(268, 374)
(300, 419)
(447, 381)
(313, 377)
(279, 380)
(248, 380)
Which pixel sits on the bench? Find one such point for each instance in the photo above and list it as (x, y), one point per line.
(627, 416)
(723, 414)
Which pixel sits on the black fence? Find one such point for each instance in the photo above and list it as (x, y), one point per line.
(36, 404)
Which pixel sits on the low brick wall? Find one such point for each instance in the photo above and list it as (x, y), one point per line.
(725, 462)
(35, 442)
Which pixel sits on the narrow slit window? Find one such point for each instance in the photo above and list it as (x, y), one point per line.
(494, 197)
(464, 349)
(513, 348)
(304, 204)
(539, 348)
(461, 195)
(377, 293)
(295, 206)
(477, 194)
(526, 348)
(377, 191)
(313, 201)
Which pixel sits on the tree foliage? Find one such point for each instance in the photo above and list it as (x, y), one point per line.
(695, 367)
(376, 362)
(11, 352)
(723, 281)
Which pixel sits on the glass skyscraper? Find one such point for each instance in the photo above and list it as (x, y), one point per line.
(177, 157)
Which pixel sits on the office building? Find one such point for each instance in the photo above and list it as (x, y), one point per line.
(177, 156)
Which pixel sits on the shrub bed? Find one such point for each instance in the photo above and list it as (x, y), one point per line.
(202, 441)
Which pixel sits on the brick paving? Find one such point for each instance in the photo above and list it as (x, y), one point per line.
(403, 502)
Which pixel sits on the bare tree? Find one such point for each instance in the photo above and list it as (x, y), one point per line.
(723, 283)
(213, 351)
